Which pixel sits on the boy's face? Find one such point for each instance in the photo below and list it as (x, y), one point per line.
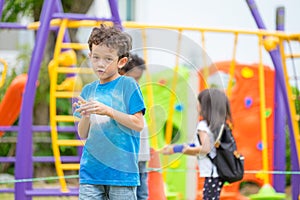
(105, 63)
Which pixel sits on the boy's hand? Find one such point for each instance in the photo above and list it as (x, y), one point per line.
(92, 107)
(77, 105)
(80, 101)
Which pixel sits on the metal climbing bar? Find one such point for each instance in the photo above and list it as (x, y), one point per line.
(291, 97)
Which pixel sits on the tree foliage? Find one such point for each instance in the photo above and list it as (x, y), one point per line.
(15, 9)
(12, 10)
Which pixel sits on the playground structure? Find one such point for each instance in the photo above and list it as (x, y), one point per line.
(263, 126)
(249, 105)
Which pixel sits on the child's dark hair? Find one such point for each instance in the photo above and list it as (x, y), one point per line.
(134, 61)
(215, 108)
(112, 37)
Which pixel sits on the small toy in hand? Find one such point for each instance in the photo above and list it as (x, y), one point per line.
(77, 106)
(179, 147)
(79, 103)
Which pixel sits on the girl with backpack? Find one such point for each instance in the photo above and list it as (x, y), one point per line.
(214, 110)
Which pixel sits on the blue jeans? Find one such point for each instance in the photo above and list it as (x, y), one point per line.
(106, 192)
(142, 190)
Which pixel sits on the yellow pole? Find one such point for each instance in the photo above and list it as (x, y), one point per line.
(205, 69)
(149, 89)
(3, 76)
(53, 85)
(232, 66)
(263, 113)
(169, 125)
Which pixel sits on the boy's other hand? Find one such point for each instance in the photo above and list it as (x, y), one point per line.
(92, 107)
(80, 101)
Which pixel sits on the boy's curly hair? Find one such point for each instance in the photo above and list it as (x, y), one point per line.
(112, 37)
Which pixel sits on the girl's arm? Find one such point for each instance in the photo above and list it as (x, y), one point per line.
(204, 147)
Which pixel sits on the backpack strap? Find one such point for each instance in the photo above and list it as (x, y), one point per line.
(211, 160)
(218, 140)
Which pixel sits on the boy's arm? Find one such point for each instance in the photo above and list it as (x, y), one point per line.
(84, 122)
(83, 127)
(135, 121)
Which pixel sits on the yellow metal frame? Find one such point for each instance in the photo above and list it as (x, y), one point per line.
(3, 76)
(291, 100)
(54, 70)
(205, 65)
(53, 121)
(149, 89)
(263, 122)
(232, 66)
(169, 125)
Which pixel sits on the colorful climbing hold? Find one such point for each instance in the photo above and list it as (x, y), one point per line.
(247, 72)
(162, 82)
(268, 112)
(248, 102)
(259, 146)
(179, 107)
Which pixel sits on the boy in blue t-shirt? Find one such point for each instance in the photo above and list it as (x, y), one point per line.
(111, 116)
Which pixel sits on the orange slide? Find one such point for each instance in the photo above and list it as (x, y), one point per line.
(10, 105)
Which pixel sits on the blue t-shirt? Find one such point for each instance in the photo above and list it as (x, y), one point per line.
(110, 155)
